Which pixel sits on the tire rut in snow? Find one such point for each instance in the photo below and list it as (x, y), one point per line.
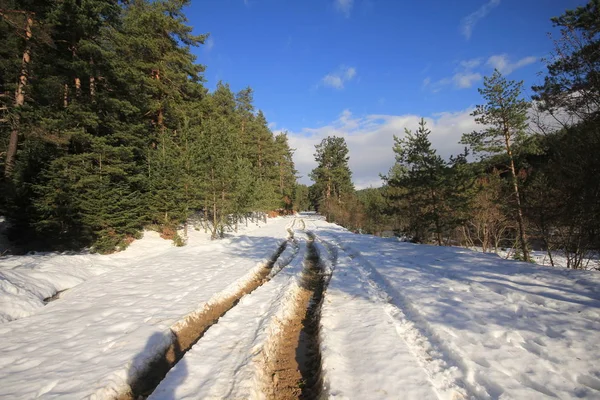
(294, 362)
(195, 326)
(437, 358)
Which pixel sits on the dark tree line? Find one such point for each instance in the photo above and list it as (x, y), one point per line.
(106, 127)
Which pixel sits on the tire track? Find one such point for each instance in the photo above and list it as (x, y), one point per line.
(291, 365)
(189, 330)
(448, 371)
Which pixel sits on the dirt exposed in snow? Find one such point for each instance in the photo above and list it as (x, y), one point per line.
(192, 330)
(295, 364)
(56, 296)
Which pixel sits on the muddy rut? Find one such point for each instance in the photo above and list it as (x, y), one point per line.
(192, 330)
(294, 363)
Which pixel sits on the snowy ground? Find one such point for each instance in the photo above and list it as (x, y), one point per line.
(25, 281)
(234, 344)
(100, 334)
(398, 321)
(477, 326)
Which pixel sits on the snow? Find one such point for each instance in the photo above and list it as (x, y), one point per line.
(398, 320)
(359, 346)
(478, 326)
(235, 343)
(25, 281)
(103, 332)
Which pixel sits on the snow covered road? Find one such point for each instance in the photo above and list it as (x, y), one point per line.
(102, 333)
(396, 321)
(233, 345)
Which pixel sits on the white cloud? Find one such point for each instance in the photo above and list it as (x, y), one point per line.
(209, 43)
(464, 80)
(502, 63)
(344, 6)
(370, 141)
(338, 78)
(468, 23)
(469, 72)
(470, 64)
(350, 73)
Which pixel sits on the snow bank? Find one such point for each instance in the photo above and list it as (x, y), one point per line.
(25, 281)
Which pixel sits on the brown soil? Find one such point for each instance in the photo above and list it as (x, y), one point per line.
(192, 329)
(294, 365)
(168, 233)
(283, 368)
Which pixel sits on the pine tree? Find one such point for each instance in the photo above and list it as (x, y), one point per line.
(505, 118)
(301, 197)
(421, 172)
(332, 176)
(110, 128)
(221, 159)
(375, 207)
(572, 84)
(286, 174)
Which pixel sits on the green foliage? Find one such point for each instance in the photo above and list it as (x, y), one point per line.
(504, 117)
(332, 176)
(375, 208)
(117, 131)
(572, 84)
(426, 188)
(302, 198)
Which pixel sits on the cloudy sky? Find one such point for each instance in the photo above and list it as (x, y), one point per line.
(367, 69)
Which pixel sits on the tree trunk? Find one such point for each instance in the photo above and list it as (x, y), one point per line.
(76, 80)
(92, 82)
(66, 95)
(522, 235)
(13, 143)
(77, 87)
(259, 160)
(436, 218)
(160, 117)
(214, 229)
(281, 179)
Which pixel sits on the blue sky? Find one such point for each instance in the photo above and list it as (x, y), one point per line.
(366, 69)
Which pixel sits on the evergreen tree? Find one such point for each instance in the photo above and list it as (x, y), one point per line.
(375, 208)
(110, 128)
(505, 118)
(572, 84)
(422, 174)
(286, 174)
(220, 158)
(332, 176)
(301, 198)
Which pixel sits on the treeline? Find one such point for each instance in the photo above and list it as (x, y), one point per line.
(106, 127)
(528, 178)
